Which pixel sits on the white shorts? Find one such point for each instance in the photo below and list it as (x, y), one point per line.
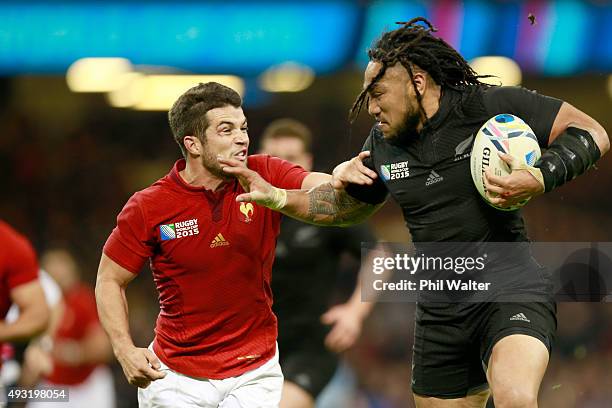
(258, 388)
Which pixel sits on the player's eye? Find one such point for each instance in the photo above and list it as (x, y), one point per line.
(245, 129)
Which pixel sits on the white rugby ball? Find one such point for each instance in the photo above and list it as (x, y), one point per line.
(507, 134)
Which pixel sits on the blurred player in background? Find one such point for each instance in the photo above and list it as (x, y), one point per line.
(428, 103)
(79, 349)
(13, 372)
(19, 284)
(211, 258)
(304, 278)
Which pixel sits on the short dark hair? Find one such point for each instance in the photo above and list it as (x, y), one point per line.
(288, 128)
(413, 43)
(188, 114)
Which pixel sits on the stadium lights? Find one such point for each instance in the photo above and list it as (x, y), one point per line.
(158, 92)
(128, 94)
(97, 74)
(505, 70)
(286, 77)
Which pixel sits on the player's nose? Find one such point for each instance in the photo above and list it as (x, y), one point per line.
(242, 139)
(373, 108)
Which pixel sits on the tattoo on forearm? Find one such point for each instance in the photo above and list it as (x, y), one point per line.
(336, 206)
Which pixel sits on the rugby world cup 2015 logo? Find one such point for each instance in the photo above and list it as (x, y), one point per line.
(385, 171)
(167, 232)
(180, 229)
(394, 171)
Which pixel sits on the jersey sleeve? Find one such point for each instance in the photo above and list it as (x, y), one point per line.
(23, 264)
(129, 245)
(284, 174)
(375, 193)
(538, 111)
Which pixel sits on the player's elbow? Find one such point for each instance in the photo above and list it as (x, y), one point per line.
(599, 135)
(603, 141)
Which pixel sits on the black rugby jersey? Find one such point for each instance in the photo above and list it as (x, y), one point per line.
(305, 273)
(429, 176)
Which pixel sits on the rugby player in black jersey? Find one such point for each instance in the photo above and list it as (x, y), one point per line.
(428, 103)
(303, 281)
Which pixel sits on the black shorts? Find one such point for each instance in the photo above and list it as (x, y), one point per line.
(306, 361)
(453, 342)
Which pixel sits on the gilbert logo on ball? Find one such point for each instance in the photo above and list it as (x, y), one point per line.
(507, 134)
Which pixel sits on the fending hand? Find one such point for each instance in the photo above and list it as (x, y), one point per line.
(353, 171)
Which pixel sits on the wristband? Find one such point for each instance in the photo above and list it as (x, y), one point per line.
(278, 199)
(534, 171)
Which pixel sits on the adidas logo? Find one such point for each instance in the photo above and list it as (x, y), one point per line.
(521, 317)
(433, 178)
(219, 241)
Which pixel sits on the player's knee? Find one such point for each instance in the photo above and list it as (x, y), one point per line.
(515, 397)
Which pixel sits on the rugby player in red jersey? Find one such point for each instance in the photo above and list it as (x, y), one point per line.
(19, 284)
(211, 258)
(78, 348)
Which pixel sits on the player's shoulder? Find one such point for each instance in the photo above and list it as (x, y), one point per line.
(14, 240)
(269, 166)
(374, 138)
(499, 94)
(258, 161)
(152, 194)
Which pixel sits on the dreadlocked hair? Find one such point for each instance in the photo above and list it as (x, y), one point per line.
(413, 43)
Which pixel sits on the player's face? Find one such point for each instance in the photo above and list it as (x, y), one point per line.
(226, 136)
(61, 266)
(392, 100)
(288, 148)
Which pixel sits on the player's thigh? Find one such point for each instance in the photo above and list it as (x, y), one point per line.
(478, 400)
(446, 359)
(516, 369)
(176, 390)
(295, 396)
(518, 338)
(259, 388)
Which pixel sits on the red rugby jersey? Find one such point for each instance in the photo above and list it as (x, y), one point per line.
(18, 264)
(211, 259)
(79, 316)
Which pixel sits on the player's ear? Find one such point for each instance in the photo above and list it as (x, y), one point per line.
(192, 145)
(420, 79)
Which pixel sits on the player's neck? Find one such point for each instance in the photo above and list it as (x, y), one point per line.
(431, 104)
(196, 175)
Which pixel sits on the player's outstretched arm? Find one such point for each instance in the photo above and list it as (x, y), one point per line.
(321, 205)
(140, 365)
(326, 205)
